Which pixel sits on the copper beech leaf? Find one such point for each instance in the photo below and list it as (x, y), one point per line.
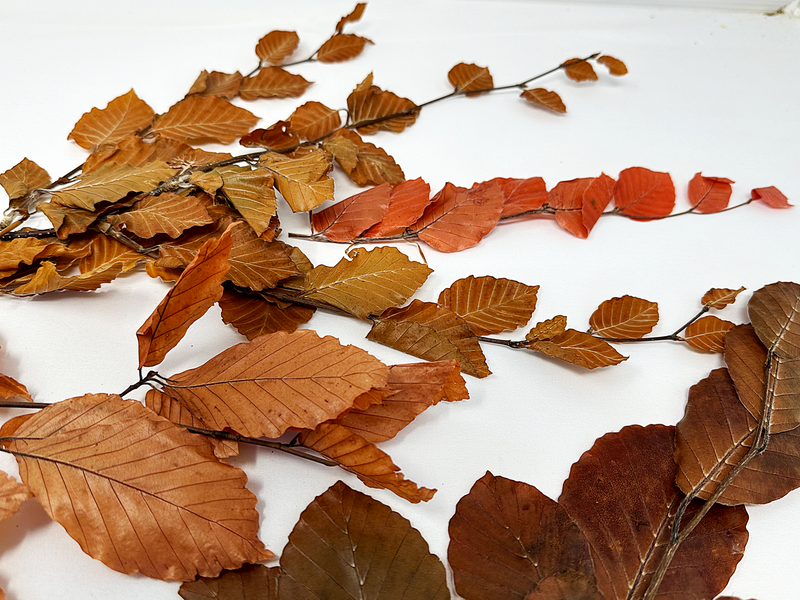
(277, 46)
(25, 251)
(137, 152)
(775, 314)
(771, 196)
(347, 219)
(341, 47)
(166, 213)
(251, 193)
(277, 381)
(579, 69)
(490, 304)
(251, 582)
(22, 178)
(369, 106)
(709, 194)
(548, 329)
(364, 163)
(254, 316)
(622, 495)
(224, 85)
(48, 279)
(313, 120)
(367, 284)
(470, 78)
(546, 99)
(580, 202)
(12, 495)
(569, 585)
(522, 195)
(204, 118)
(197, 289)
(506, 537)
(83, 458)
(614, 65)
(273, 82)
(578, 348)
(274, 137)
(123, 116)
(626, 317)
(407, 202)
(303, 181)
(719, 298)
(643, 193)
(104, 250)
(707, 334)
(11, 388)
(352, 17)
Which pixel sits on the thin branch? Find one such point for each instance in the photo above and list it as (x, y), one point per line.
(151, 376)
(675, 336)
(22, 404)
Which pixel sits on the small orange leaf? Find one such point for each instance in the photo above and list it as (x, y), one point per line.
(11, 388)
(719, 298)
(224, 85)
(354, 16)
(201, 118)
(407, 202)
(709, 194)
(341, 47)
(470, 78)
(273, 82)
(579, 349)
(167, 213)
(368, 103)
(615, 66)
(772, 196)
(104, 250)
(626, 317)
(707, 334)
(347, 219)
(313, 120)
(545, 99)
(548, 329)
(122, 117)
(274, 137)
(47, 279)
(567, 198)
(578, 69)
(640, 192)
(522, 195)
(276, 46)
(23, 177)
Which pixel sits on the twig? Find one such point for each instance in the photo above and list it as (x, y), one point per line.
(675, 336)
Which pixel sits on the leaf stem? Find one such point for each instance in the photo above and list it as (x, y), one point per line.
(675, 336)
(22, 404)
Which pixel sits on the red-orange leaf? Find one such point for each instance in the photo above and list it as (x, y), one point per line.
(202, 118)
(274, 137)
(720, 297)
(273, 82)
(341, 47)
(709, 194)
(772, 196)
(580, 202)
(614, 65)
(545, 99)
(470, 78)
(11, 388)
(123, 116)
(345, 220)
(707, 334)
(644, 193)
(313, 120)
(276, 46)
(407, 202)
(522, 195)
(627, 317)
(578, 69)
(352, 17)
(368, 102)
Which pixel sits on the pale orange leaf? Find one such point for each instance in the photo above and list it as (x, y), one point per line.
(167, 213)
(205, 118)
(548, 329)
(719, 298)
(303, 182)
(470, 78)
(578, 69)
(341, 47)
(277, 46)
(22, 178)
(626, 317)
(364, 163)
(368, 103)
(545, 99)
(47, 279)
(273, 82)
(252, 193)
(12, 495)
(224, 85)
(313, 120)
(579, 349)
(349, 218)
(124, 115)
(407, 202)
(707, 334)
(254, 316)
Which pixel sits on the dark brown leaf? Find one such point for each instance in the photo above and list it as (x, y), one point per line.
(273, 82)
(364, 163)
(341, 47)
(224, 85)
(251, 582)
(568, 585)
(775, 314)
(274, 137)
(277, 46)
(254, 316)
(578, 348)
(368, 103)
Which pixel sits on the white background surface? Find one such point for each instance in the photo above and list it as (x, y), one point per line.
(711, 92)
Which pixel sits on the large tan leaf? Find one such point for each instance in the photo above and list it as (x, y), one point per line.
(367, 284)
(368, 462)
(579, 349)
(720, 297)
(166, 213)
(273, 82)
(251, 192)
(622, 495)
(12, 495)
(276, 46)
(341, 47)
(707, 334)
(106, 250)
(490, 304)
(368, 103)
(303, 182)
(205, 118)
(137, 492)
(263, 387)
(123, 116)
(47, 279)
(197, 289)
(364, 163)
(407, 202)
(224, 85)
(506, 537)
(431, 332)
(254, 316)
(313, 120)
(470, 78)
(347, 219)
(775, 314)
(626, 317)
(23, 177)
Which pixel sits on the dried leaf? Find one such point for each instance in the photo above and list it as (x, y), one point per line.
(257, 264)
(568, 585)
(644, 193)
(622, 495)
(490, 305)
(67, 221)
(407, 202)
(205, 118)
(775, 314)
(367, 103)
(369, 283)
(458, 218)
(167, 213)
(47, 279)
(277, 381)
(251, 582)
(22, 178)
(341, 47)
(274, 137)
(545, 99)
(470, 78)
(123, 116)
(313, 120)
(25, 251)
(548, 329)
(106, 250)
(136, 152)
(522, 195)
(430, 332)
(719, 298)
(197, 289)
(506, 537)
(224, 85)
(12, 495)
(580, 202)
(303, 182)
(277, 46)
(273, 82)
(707, 334)
(626, 317)
(709, 194)
(347, 219)
(209, 182)
(251, 193)
(254, 316)
(579, 69)
(368, 462)
(11, 388)
(364, 163)
(84, 458)
(772, 196)
(615, 66)
(352, 17)
(579, 349)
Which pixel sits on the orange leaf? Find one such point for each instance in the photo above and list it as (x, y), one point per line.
(12, 495)
(352, 17)
(105, 250)
(25, 251)
(709, 194)
(252, 194)
(277, 46)
(368, 102)
(615, 66)
(578, 69)
(167, 213)
(254, 316)
(579, 349)
(313, 120)
(341, 47)
(47, 279)
(644, 193)
(567, 198)
(205, 118)
(364, 163)
(275, 137)
(224, 85)
(11, 388)
(273, 82)
(522, 195)
(545, 99)
(458, 218)
(124, 115)
(407, 202)
(772, 196)
(303, 181)
(67, 221)
(719, 298)
(595, 199)
(22, 178)
(470, 78)
(137, 152)
(548, 329)
(347, 219)
(707, 334)
(627, 317)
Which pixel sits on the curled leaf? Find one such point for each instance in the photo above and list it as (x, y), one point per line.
(545, 99)
(224, 85)
(12, 495)
(626, 317)
(48, 279)
(22, 178)
(274, 137)
(277, 46)
(772, 196)
(11, 388)
(252, 194)
(470, 78)
(709, 194)
(370, 108)
(303, 182)
(341, 47)
(707, 334)
(615, 66)
(547, 329)
(364, 163)
(352, 17)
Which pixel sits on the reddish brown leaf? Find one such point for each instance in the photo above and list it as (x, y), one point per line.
(407, 202)
(352, 17)
(548, 329)
(568, 585)
(364, 163)
(709, 194)
(775, 314)
(719, 298)
(224, 85)
(644, 193)
(615, 66)
(123, 116)
(367, 103)
(626, 317)
(205, 118)
(578, 69)
(545, 99)
(772, 196)
(622, 495)
(580, 202)
(12, 495)
(595, 199)
(579, 349)
(167, 213)
(506, 537)
(251, 582)
(470, 78)
(707, 334)
(522, 195)
(137, 152)
(254, 316)
(347, 219)
(273, 82)
(313, 120)
(275, 137)
(47, 279)
(341, 47)
(22, 178)
(277, 46)
(67, 221)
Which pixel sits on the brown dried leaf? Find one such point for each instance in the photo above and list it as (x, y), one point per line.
(277, 381)
(640, 192)
(626, 317)
(84, 458)
(470, 78)
(25, 251)
(67, 221)
(368, 103)
(47, 279)
(205, 118)
(775, 314)
(615, 66)
(579, 349)
(251, 582)
(622, 495)
(771, 196)
(254, 316)
(545, 99)
(506, 537)
(273, 82)
(224, 85)
(490, 305)
(123, 116)
(345, 220)
(137, 152)
(407, 202)
(22, 178)
(313, 120)
(105, 250)
(579, 69)
(11, 388)
(12, 495)
(167, 213)
(367, 284)
(568, 585)
(548, 329)
(719, 298)
(303, 182)
(252, 193)
(277, 46)
(209, 182)
(364, 163)
(274, 137)
(430, 332)
(341, 47)
(707, 334)
(352, 17)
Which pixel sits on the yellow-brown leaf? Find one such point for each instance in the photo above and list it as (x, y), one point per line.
(368, 103)
(719, 298)
(22, 178)
(626, 317)
(254, 316)
(124, 116)
(24, 251)
(137, 152)
(273, 82)
(547, 329)
(364, 163)
(707, 334)
(303, 182)
(341, 47)
(11, 388)
(277, 46)
(352, 17)
(578, 69)
(166, 213)
(470, 78)
(545, 99)
(579, 349)
(12, 495)
(251, 192)
(47, 279)
(209, 182)
(67, 221)
(224, 85)
(105, 250)
(313, 120)
(615, 66)
(205, 118)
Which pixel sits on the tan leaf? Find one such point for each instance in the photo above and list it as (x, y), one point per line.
(251, 192)
(47, 279)
(209, 182)
(345, 220)
(368, 103)
(11, 388)
(578, 69)
(545, 99)
(166, 213)
(368, 462)
(224, 85)
(12, 495)
(254, 316)
(205, 118)
(277, 381)
(775, 314)
(303, 182)
(105, 250)
(25, 251)
(364, 163)
(352, 17)
(111, 183)
(84, 458)
(719, 298)
(197, 289)
(470, 78)
(367, 284)
(490, 305)
(579, 349)
(273, 82)
(277, 46)
(313, 120)
(707, 334)
(407, 202)
(274, 137)
(615, 66)
(341, 47)
(548, 329)
(67, 221)
(431, 332)
(22, 178)
(123, 116)
(626, 317)
(137, 152)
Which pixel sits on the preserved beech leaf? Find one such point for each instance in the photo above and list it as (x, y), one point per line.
(84, 458)
(341, 47)
(614, 65)
(313, 120)
(205, 118)
(25, 251)
(106, 250)
(197, 289)
(368, 102)
(522, 195)
(22, 178)
(124, 115)
(626, 317)
(775, 314)
(224, 85)
(111, 183)
(303, 182)
(364, 163)
(407, 202)
(368, 462)
(347, 219)
(367, 284)
(274, 137)
(251, 582)
(545, 98)
(11, 388)
(644, 193)
(12, 495)
(772, 196)
(277, 381)
(208, 182)
(707, 334)
(67, 221)
(578, 69)
(273, 82)
(431, 332)
(137, 152)
(581, 202)
(470, 78)
(490, 304)
(254, 316)
(720, 297)
(47, 279)
(251, 193)
(458, 218)
(547, 329)
(578, 348)
(277, 46)
(352, 17)
(568, 585)
(506, 537)
(622, 495)
(709, 194)
(167, 213)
